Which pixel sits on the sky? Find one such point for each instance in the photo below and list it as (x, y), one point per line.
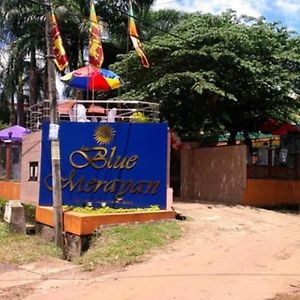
(285, 11)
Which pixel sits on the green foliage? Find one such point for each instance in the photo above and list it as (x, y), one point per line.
(2, 208)
(219, 73)
(22, 31)
(109, 210)
(160, 21)
(4, 113)
(29, 213)
(126, 244)
(19, 248)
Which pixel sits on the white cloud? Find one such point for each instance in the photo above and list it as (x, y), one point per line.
(288, 7)
(253, 8)
(286, 11)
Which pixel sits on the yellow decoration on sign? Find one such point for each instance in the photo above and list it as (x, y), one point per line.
(104, 134)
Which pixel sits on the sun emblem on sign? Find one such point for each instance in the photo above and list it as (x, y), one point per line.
(104, 134)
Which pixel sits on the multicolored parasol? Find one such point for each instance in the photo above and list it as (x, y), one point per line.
(92, 79)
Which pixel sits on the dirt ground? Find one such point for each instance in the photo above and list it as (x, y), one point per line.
(225, 253)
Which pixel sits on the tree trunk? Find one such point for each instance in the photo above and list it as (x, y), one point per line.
(232, 138)
(32, 78)
(45, 84)
(13, 114)
(20, 104)
(248, 142)
(4, 109)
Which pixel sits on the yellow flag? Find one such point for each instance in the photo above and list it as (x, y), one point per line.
(61, 59)
(96, 56)
(134, 36)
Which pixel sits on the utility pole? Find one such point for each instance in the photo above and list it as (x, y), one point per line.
(55, 151)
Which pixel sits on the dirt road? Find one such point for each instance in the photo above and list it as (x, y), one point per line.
(226, 253)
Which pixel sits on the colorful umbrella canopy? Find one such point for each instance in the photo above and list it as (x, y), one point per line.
(92, 79)
(15, 133)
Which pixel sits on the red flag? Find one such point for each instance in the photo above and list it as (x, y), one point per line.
(61, 59)
(133, 33)
(96, 56)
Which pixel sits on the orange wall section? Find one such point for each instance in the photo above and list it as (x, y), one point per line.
(270, 192)
(10, 190)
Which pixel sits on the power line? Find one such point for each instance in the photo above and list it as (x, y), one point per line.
(146, 24)
(157, 28)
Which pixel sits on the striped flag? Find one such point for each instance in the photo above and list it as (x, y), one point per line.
(134, 36)
(61, 59)
(96, 56)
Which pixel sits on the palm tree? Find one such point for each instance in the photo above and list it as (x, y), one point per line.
(161, 22)
(22, 24)
(22, 28)
(115, 14)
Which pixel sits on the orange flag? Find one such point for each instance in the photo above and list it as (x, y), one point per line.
(61, 59)
(134, 36)
(96, 56)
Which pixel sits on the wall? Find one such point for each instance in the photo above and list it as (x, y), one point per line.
(271, 192)
(216, 174)
(31, 151)
(10, 190)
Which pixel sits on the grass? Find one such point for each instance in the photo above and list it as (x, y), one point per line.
(126, 244)
(20, 249)
(113, 246)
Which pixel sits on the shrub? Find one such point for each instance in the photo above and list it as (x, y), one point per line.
(2, 207)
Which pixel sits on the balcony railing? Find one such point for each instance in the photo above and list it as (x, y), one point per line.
(93, 111)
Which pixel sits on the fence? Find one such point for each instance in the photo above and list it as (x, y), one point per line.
(93, 110)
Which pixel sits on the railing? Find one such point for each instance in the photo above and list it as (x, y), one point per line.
(93, 111)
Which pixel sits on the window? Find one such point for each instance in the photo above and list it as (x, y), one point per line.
(33, 171)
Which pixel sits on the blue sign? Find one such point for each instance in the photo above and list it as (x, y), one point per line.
(113, 164)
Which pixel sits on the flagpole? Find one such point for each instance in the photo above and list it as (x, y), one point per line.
(88, 54)
(95, 46)
(55, 150)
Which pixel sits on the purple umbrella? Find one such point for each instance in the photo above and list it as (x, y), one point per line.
(14, 133)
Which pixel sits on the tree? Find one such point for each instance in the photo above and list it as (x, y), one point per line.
(159, 22)
(22, 30)
(219, 73)
(22, 26)
(73, 17)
